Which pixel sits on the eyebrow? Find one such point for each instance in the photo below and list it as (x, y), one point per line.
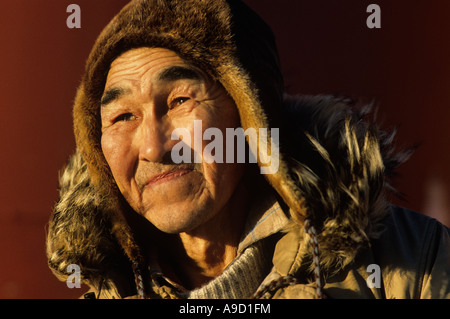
(111, 95)
(178, 72)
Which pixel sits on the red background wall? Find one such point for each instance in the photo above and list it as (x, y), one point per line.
(325, 47)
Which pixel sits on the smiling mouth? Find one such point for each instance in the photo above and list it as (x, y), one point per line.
(167, 176)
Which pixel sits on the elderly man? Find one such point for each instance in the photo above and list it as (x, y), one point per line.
(149, 209)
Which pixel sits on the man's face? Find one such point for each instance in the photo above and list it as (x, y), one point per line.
(149, 93)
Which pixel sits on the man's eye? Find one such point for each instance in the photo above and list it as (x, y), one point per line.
(178, 101)
(125, 117)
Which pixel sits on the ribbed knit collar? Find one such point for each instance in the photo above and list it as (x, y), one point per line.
(240, 279)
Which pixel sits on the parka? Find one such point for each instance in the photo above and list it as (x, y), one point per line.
(323, 221)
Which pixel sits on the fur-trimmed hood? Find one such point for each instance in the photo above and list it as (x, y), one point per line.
(333, 161)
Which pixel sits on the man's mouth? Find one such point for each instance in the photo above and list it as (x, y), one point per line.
(166, 176)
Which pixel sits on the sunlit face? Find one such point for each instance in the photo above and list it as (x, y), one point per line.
(150, 92)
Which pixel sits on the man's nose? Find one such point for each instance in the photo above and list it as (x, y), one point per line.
(154, 139)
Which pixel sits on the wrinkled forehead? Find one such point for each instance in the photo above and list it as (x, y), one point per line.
(152, 64)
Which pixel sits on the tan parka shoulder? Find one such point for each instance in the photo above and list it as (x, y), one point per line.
(410, 260)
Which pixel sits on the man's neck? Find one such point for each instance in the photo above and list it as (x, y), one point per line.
(193, 258)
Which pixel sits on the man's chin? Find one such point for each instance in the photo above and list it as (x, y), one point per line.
(174, 221)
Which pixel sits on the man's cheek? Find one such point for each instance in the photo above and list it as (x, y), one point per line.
(118, 155)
